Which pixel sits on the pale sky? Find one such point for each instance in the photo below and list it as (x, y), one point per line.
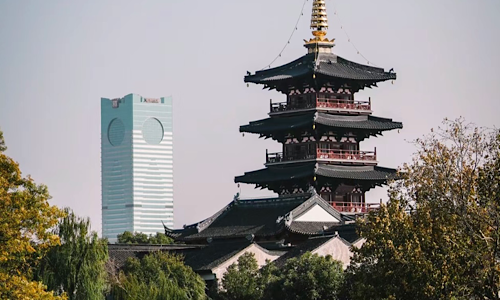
(58, 58)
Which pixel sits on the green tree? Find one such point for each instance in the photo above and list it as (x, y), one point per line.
(25, 220)
(141, 238)
(309, 277)
(2, 143)
(157, 276)
(244, 281)
(76, 267)
(438, 237)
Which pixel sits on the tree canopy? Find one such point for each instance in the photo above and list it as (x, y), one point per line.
(244, 281)
(26, 219)
(307, 277)
(439, 235)
(157, 276)
(76, 267)
(141, 238)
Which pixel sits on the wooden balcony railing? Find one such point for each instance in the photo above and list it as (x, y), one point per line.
(347, 154)
(277, 157)
(329, 154)
(337, 104)
(355, 207)
(343, 104)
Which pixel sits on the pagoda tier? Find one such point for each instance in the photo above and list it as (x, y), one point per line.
(320, 124)
(325, 178)
(320, 69)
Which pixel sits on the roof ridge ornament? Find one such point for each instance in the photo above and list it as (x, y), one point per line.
(312, 191)
(319, 25)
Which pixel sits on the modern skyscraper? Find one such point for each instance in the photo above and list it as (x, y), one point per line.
(136, 165)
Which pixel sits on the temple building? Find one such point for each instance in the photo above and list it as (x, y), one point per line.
(322, 174)
(321, 125)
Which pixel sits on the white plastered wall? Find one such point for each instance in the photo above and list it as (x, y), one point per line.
(336, 248)
(316, 214)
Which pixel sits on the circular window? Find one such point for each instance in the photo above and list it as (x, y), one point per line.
(116, 132)
(152, 131)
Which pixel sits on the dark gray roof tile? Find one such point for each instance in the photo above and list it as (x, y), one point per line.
(329, 65)
(278, 173)
(278, 125)
(309, 245)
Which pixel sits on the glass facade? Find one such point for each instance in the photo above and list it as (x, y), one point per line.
(136, 165)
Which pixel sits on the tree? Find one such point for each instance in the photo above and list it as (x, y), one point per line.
(26, 218)
(439, 235)
(157, 276)
(76, 267)
(141, 238)
(244, 281)
(309, 277)
(2, 143)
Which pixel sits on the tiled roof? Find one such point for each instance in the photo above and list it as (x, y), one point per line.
(274, 125)
(347, 232)
(308, 227)
(327, 64)
(297, 171)
(277, 173)
(249, 217)
(356, 172)
(214, 254)
(357, 122)
(119, 253)
(309, 245)
(261, 218)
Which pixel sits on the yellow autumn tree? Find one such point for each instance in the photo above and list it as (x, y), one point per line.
(439, 235)
(25, 220)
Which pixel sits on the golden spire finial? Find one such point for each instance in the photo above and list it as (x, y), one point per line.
(319, 25)
(319, 19)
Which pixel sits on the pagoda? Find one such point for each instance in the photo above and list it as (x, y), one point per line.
(321, 125)
(321, 176)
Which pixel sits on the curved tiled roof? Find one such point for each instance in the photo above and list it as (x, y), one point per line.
(242, 218)
(214, 254)
(357, 122)
(309, 245)
(308, 227)
(297, 171)
(327, 64)
(356, 172)
(261, 218)
(277, 173)
(273, 125)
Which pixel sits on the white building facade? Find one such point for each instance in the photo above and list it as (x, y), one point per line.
(136, 165)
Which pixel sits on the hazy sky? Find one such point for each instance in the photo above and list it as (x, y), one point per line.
(58, 58)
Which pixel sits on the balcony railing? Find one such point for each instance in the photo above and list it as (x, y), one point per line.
(347, 155)
(326, 103)
(343, 104)
(327, 154)
(277, 157)
(355, 207)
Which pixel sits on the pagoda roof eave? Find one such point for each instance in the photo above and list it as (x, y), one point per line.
(304, 171)
(329, 65)
(274, 125)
